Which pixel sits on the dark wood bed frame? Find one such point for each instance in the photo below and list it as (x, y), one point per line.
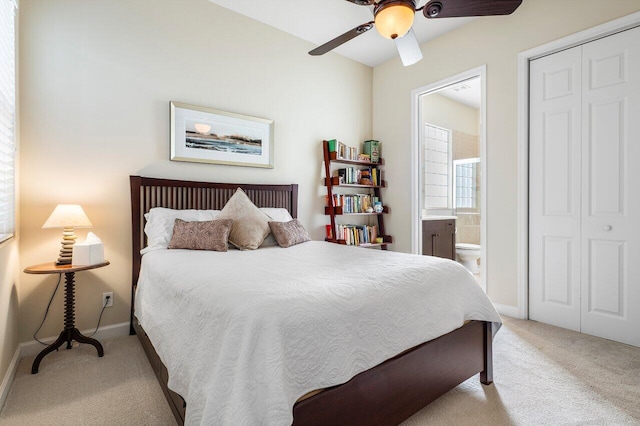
(384, 395)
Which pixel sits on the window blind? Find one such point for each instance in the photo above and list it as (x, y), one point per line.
(7, 118)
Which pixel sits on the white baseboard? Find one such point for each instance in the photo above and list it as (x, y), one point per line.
(8, 377)
(510, 311)
(32, 347)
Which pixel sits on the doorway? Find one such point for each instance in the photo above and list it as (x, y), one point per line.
(449, 165)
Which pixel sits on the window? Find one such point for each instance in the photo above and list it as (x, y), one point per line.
(465, 186)
(7, 118)
(437, 167)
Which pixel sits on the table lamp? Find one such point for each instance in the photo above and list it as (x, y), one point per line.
(68, 217)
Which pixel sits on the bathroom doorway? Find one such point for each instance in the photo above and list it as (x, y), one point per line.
(449, 170)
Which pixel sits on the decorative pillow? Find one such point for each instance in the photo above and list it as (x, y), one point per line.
(289, 233)
(250, 225)
(210, 235)
(160, 222)
(276, 215)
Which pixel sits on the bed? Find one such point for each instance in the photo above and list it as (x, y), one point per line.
(390, 387)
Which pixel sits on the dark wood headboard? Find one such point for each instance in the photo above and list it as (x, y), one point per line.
(147, 193)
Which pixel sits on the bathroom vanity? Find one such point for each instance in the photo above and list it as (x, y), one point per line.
(439, 236)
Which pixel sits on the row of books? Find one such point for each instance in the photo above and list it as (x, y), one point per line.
(357, 203)
(371, 151)
(351, 175)
(355, 235)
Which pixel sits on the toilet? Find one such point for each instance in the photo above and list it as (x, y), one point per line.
(469, 255)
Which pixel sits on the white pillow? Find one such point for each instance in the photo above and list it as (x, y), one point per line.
(276, 215)
(160, 221)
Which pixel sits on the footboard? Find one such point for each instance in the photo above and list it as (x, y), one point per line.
(401, 386)
(386, 394)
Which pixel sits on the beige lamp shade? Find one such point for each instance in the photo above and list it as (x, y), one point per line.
(394, 19)
(68, 216)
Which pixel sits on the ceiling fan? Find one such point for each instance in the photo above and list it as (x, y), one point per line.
(394, 18)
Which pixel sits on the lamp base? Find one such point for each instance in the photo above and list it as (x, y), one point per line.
(66, 252)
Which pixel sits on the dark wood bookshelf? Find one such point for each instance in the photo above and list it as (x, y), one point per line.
(385, 242)
(333, 182)
(333, 156)
(338, 211)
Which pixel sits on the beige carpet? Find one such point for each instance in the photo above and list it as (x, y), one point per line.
(543, 376)
(75, 387)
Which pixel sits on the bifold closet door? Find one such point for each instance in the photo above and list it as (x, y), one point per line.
(584, 188)
(611, 187)
(554, 189)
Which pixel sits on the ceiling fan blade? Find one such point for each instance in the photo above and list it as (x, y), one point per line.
(408, 48)
(327, 47)
(363, 2)
(461, 8)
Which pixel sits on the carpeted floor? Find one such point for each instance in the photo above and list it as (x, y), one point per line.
(543, 375)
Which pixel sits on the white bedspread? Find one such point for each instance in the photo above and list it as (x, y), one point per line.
(244, 334)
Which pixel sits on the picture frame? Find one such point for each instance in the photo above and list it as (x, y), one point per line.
(207, 135)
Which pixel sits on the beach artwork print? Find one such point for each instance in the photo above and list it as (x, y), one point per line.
(207, 135)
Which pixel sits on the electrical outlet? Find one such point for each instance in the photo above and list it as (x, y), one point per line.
(104, 299)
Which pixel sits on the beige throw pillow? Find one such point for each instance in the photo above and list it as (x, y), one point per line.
(250, 225)
(289, 233)
(209, 235)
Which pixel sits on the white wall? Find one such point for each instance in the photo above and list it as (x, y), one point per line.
(496, 42)
(8, 304)
(96, 80)
(443, 112)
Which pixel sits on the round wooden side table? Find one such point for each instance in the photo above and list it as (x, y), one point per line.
(70, 331)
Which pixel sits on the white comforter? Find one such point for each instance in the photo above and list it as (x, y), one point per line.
(244, 334)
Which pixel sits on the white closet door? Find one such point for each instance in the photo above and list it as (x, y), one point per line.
(611, 187)
(554, 189)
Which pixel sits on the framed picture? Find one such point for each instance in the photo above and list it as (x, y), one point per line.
(207, 135)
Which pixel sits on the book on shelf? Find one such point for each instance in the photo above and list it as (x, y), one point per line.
(356, 203)
(369, 176)
(355, 235)
(375, 176)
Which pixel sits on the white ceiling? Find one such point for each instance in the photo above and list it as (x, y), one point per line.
(467, 92)
(319, 21)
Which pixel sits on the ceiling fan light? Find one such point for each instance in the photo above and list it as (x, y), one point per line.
(394, 20)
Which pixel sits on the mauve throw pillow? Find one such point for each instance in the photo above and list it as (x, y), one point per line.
(209, 235)
(250, 225)
(289, 233)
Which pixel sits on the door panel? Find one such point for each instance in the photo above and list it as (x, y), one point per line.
(605, 169)
(557, 270)
(606, 280)
(555, 189)
(557, 148)
(611, 195)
